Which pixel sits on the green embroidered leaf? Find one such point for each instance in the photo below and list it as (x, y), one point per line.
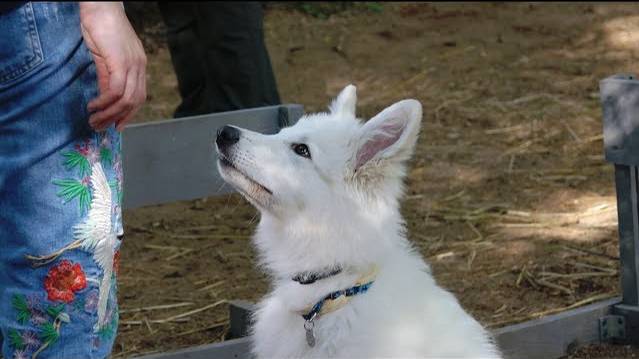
(106, 156)
(109, 330)
(16, 339)
(114, 186)
(85, 200)
(75, 159)
(54, 311)
(71, 189)
(106, 332)
(48, 334)
(19, 303)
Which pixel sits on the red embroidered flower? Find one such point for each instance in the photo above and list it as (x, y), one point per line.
(64, 280)
(116, 263)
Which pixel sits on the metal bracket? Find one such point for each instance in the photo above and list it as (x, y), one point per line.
(612, 327)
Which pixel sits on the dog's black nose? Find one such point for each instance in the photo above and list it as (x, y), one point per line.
(227, 136)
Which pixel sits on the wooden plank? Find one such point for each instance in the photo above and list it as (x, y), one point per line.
(230, 349)
(555, 335)
(619, 102)
(627, 207)
(173, 160)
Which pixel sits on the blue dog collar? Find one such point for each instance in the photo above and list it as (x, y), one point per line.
(345, 294)
(358, 289)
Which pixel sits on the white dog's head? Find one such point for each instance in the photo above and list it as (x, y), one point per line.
(324, 159)
(327, 187)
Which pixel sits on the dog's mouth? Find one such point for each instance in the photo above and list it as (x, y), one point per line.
(243, 182)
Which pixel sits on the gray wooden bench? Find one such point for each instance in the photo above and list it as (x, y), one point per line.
(173, 160)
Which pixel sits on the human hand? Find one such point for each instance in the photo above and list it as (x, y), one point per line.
(120, 62)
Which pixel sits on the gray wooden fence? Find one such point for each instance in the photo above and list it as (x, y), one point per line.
(173, 160)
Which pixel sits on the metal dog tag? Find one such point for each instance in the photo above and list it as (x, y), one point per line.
(310, 336)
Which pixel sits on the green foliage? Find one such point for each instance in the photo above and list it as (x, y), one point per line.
(113, 184)
(55, 310)
(72, 189)
(48, 334)
(106, 156)
(115, 191)
(19, 303)
(16, 339)
(110, 329)
(75, 159)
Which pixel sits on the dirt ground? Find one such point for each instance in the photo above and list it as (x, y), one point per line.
(509, 198)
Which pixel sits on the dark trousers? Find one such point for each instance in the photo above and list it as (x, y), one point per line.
(219, 56)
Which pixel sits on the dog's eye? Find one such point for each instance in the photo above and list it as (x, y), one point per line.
(301, 149)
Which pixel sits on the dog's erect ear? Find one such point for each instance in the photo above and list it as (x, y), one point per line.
(345, 102)
(390, 135)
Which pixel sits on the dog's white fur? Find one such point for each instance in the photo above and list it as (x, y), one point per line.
(341, 207)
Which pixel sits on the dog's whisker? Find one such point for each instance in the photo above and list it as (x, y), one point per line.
(237, 205)
(221, 187)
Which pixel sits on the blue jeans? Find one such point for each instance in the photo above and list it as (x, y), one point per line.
(60, 192)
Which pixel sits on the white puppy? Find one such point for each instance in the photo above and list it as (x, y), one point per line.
(346, 282)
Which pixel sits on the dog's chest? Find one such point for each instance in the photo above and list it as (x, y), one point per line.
(286, 336)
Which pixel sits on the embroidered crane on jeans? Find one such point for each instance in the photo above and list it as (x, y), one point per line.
(95, 235)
